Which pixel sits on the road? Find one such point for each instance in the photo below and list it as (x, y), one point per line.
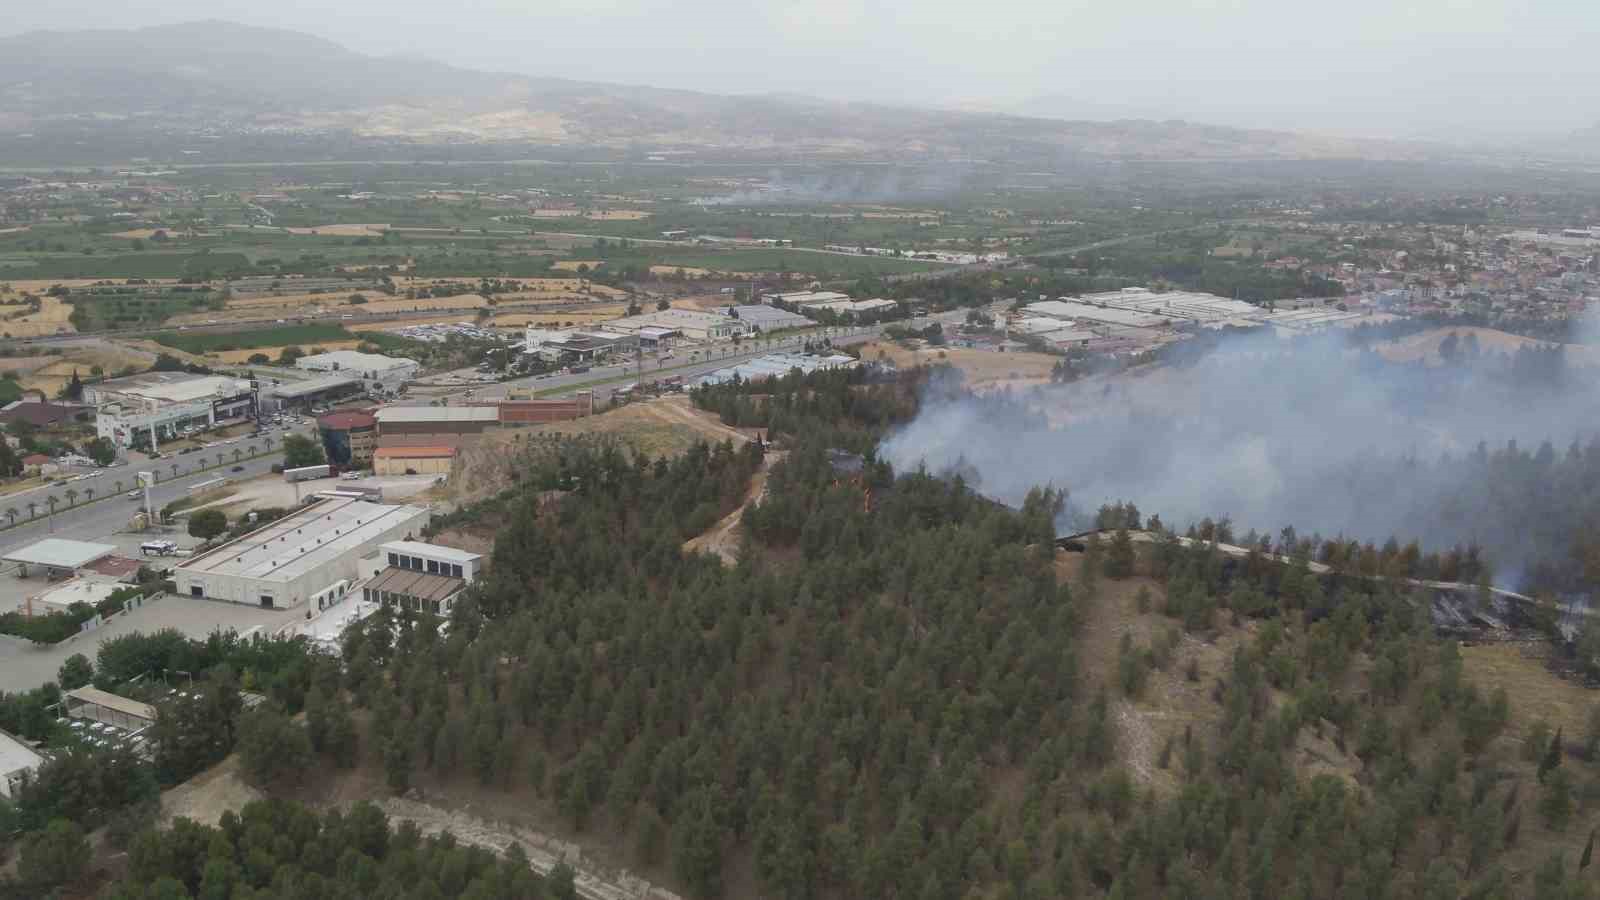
(110, 511)
(604, 379)
(1022, 261)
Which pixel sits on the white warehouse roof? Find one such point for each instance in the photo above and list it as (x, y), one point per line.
(59, 553)
(296, 544)
(434, 550)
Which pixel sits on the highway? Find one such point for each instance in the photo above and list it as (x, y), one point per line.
(604, 379)
(110, 510)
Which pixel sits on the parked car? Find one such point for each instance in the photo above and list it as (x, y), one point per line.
(237, 469)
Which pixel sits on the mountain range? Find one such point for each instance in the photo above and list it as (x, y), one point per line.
(219, 78)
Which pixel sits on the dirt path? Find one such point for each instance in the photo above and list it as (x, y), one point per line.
(676, 410)
(723, 538)
(594, 882)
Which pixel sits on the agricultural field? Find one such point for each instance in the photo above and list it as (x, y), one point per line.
(980, 367)
(300, 335)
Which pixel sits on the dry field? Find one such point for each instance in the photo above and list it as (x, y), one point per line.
(239, 357)
(618, 215)
(343, 230)
(109, 357)
(1424, 345)
(40, 285)
(557, 213)
(133, 234)
(560, 318)
(688, 271)
(980, 366)
(53, 317)
(571, 265)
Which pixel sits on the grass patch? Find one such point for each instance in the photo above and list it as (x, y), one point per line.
(10, 391)
(265, 337)
(781, 260)
(132, 265)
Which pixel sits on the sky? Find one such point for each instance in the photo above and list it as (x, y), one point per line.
(1463, 69)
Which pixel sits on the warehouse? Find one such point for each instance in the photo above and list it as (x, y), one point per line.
(302, 555)
(378, 373)
(18, 762)
(700, 326)
(394, 420)
(418, 576)
(427, 459)
(768, 318)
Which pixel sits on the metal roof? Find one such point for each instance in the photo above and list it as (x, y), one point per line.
(296, 544)
(352, 359)
(436, 551)
(313, 386)
(438, 414)
(59, 553)
(415, 584)
(113, 701)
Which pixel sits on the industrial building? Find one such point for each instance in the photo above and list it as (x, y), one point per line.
(768, 318)
(575, 346)
(775, 365)
(418, 576)
(422, 459)
(393, 420)
(349, 438)
(310, 556)
(170, 403)
(377, 373)
(315, 391)
(700, 326)
(112, 709)
(804, 298)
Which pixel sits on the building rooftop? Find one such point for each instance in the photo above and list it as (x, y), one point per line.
(114, 701)
(313, 386)
(296, 544)
(431, 451)
(77, 590)
(171, 387)
(346, 420)
(434, 550)
(438, 414)
(16, 756)
(415, 584)
(352, 359)
(59, 553)
(39, 414)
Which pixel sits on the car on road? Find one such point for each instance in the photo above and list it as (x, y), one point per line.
(237, 469)
(133, 494)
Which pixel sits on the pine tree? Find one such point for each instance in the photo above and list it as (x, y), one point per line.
(1552, 756)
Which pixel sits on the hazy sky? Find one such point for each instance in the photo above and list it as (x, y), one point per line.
(1380, 67)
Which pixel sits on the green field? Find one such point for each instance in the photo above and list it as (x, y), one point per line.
(245, 340)
(130, 265)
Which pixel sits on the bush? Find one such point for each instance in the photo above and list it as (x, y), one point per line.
(272, 748)
(208, 523)
(76, 672)
(56, 856)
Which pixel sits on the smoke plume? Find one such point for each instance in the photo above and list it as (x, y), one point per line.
(1311, 433)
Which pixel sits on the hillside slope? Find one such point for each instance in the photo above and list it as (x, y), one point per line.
(211, 78)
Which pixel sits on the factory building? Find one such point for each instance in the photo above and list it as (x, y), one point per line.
(171, 403)
(311, 556)
(303, 395)
(768, 318)
(377, 373)
(349, 438)
(575, 346)
(452, 420)
(422, 459)
(700, 326)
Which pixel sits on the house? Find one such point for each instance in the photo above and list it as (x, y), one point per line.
(35, 463)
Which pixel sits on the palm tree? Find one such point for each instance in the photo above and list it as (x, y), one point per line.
(253, 451)
(33, 509)
(89, 492)
(119, 486)
(237, 453)
(72, 496)
(174, 470)
(51, 501)
(11, 513)
(268, 442)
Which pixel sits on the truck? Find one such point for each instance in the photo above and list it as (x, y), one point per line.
(306, 473)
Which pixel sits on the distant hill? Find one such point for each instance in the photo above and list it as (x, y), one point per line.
(219, 78)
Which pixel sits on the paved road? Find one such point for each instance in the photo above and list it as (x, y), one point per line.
(1022, 261)
(616, 376)
(110, 510)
